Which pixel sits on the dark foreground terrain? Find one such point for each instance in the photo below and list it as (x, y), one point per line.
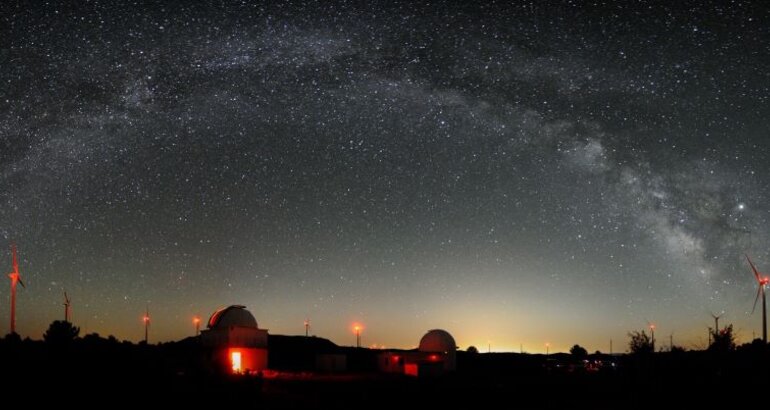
(97, 372)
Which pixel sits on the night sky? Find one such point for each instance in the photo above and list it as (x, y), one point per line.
(515, 174)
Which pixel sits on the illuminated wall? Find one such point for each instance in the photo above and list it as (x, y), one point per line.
(244, 360)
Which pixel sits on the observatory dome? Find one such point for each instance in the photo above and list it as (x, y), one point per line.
(235, 315)
(438, 340)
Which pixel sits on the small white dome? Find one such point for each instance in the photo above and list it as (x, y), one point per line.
(438, 340)
(235, 315)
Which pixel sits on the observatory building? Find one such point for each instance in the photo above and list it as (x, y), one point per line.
(436, 354)
(440, 343)
(236, 343)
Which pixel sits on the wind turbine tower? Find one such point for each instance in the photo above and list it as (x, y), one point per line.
(761, 283)
(15, 278)
(197, 323)
(716, 320)
(652, 333)
(146, 320)
(66, 307)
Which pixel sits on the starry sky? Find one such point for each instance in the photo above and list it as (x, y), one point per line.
(517, 174)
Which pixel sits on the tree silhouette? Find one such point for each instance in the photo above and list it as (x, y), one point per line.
(472, 349)
(61, 333)
(722, 340)
(578, 351)
(640, 342)
(13, 338)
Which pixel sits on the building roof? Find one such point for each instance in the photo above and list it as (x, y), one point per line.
(235, 315)
(437, 340)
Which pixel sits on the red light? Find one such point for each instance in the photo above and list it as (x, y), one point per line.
(196, 320)
(235, 361)
(395, 359)
(146, 319)
(433, 358)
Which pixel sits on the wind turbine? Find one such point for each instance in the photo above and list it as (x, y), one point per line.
(716, 320)
(66, 307)
(146, 320)
(197, 323)
(15, 278)
(652, 333)
(762, 282)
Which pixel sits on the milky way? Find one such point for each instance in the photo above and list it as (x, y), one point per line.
(514, 174)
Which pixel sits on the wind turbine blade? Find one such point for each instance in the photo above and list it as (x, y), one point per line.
(21, 283)
(15, 259)
(66, 298)
(754, 268)
(759, 290)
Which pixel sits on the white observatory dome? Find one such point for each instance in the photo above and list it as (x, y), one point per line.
(438, 340)
(235, 315)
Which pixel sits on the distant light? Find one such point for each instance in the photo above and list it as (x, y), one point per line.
(741, 206)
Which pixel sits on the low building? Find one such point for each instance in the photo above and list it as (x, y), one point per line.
(435, 355)
(236, 343)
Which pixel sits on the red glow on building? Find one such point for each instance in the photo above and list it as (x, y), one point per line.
(243, 359)
(235, 361)
(215, 317)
